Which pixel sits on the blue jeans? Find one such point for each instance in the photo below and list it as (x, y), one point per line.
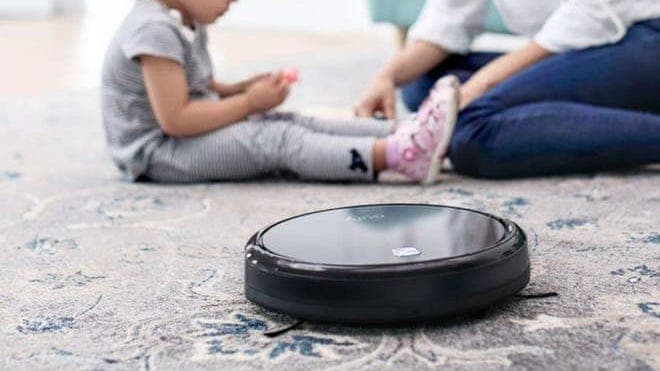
(579, 111)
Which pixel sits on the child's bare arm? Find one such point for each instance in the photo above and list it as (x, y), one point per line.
(180, 116)
(228, 89)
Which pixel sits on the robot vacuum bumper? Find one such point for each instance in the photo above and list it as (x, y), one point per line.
(385, 263)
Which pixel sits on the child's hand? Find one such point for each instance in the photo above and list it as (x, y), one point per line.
(252, 80)
(268, 93)
(292, 75)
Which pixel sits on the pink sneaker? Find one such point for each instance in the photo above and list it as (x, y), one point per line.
(418, 148)
(440, 102)
(438, 105)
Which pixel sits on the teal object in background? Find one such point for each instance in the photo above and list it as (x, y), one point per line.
(397, 12)
(404, 13)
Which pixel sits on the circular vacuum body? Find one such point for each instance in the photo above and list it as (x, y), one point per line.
(385, 263)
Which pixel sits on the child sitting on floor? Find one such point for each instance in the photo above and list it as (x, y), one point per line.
(167, 119)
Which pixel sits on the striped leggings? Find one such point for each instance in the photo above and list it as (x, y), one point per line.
(311, 148)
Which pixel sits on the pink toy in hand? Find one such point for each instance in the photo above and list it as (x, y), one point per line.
(291, 75)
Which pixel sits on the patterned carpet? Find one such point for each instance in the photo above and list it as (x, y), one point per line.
(102, 274)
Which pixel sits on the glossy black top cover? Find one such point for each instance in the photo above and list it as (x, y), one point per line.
(383, 234)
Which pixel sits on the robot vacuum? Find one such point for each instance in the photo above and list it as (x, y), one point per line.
(386, 263)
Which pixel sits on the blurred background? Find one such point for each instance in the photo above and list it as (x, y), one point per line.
(53, 50)
(58, 45)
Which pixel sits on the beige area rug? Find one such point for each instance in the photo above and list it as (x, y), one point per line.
(98, 273)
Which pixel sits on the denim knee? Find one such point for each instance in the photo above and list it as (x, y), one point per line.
(471, 149)
(469, 154)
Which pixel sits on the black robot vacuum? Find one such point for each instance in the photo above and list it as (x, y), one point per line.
(386, 263)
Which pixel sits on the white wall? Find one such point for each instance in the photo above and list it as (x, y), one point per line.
(69, 5)
(20, 8)
(308, 15)
(38, 8)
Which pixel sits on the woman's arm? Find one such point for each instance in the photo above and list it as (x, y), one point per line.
(501, 69)
(179, 116)
(443, 27)
(415, 60)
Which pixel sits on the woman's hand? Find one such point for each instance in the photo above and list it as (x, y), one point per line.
(469, 92)
(380, 98)
(415, 60)
(267, 93)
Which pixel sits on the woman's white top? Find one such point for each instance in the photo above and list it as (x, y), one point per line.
(557, 25)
